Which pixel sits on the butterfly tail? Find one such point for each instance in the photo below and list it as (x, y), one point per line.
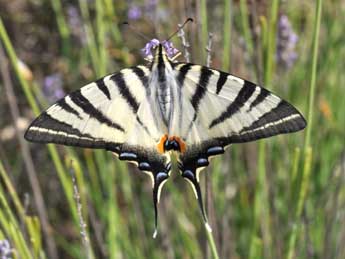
(191, 177)
(159, 180)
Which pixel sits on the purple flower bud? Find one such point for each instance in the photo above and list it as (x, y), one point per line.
(52, 88)
(76, 25)
(134, 13)
(286, 43)
(169, 47)
(147, 50)
(5, 249)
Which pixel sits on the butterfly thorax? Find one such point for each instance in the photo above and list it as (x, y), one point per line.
(162, 84)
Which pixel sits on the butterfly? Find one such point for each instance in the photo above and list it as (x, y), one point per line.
(146, 113)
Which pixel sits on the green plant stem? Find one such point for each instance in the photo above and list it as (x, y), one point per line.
(245, 27)
(262, 205)
(305, 177)
(13, 58)
(91, 39)
(62, 174)
(101, 36)
(62, 26)
(211, 242)
(313, 73)
(227, 36)
(111, 15)
(10, 188)
(27, 158)
(271, 43)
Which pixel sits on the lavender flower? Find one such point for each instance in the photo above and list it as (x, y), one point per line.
(150, 8)
(134, 12)
(52, 88)
(167, 45)
(286, 43)
(147, 50)
(75, 24)
(5, 249)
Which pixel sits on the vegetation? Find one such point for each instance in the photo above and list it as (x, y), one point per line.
(282, 197)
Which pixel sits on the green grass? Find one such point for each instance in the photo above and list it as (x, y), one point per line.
(280, 198)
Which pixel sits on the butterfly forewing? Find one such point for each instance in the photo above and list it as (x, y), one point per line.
(96, 116)
(234, 110)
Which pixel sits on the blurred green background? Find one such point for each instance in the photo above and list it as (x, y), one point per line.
(282, 197)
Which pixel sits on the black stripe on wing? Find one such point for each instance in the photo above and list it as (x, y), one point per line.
(223, 77)
(260, 98)
(280, 120)
(182, 72)
(81, 101)
(124, 91)
(201, 88)
(65, 106)
(102, 87)
(244, 94)
(46, 129)
(141, 75)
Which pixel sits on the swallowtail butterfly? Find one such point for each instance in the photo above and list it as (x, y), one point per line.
(145, 113)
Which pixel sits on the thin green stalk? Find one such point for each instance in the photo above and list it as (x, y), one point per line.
(101, 36)
(262, 205)
(62, 174)
(111, 15)
(13, 58)
(94, 183)
(62, 25)
(98, 56)
(245, 27)
(271, 43)
(11, 190)
(10, 226)
(80, 200)
(313, 74)
(305, 177)
(91, 39)
(296, 227)
(296, 158)
(112, 218)
(211, 241)
(227, 36)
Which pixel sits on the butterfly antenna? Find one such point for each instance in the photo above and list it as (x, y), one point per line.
(133, 29)
(180, 27)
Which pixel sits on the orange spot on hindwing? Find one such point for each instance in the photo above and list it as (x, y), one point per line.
(161, 143)
(181, 143)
